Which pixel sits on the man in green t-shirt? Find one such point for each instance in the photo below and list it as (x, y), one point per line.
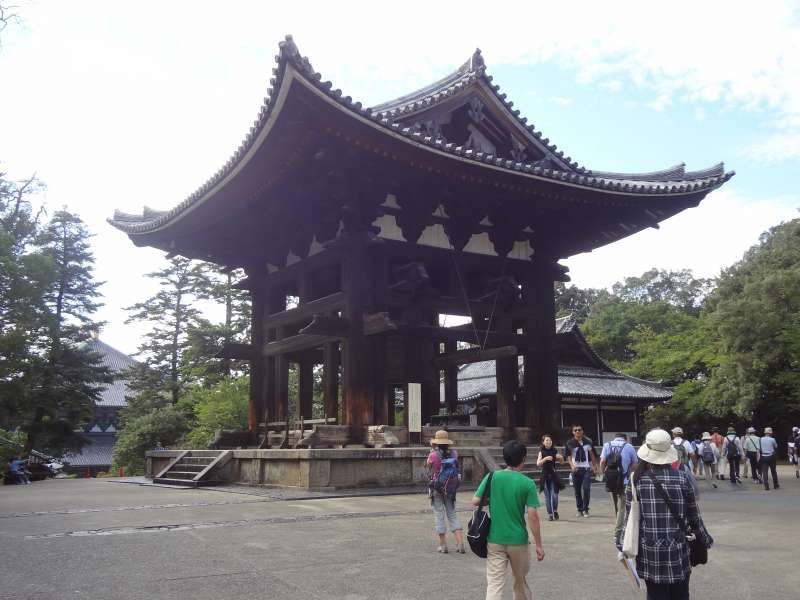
(513, 499)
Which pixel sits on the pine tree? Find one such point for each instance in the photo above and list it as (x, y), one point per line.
(71, 375)
(171, 315)
(207, 338)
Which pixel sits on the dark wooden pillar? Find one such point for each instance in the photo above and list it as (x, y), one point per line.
(305, 387)
(330, 380)
(258, 364)
(541, 374)
(281, 388)
(507, 374)
(356, 351)
(451, 380)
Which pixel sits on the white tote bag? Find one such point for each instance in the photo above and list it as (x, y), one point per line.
(630, 541)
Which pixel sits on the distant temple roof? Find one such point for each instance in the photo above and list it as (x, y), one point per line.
(98, 453)
(581, 373)
(114, 393)
(414, 124)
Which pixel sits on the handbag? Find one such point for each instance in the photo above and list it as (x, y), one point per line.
(480, 523)
(698, 551)
(630, 539)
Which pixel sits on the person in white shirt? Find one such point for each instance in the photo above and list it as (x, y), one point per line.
(684, 448)
(709, 457)
(750, 444)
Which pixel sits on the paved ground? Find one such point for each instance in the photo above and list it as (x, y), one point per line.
(105, 540)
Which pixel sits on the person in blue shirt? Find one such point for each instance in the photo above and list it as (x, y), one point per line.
(18, 470)
(616, 461)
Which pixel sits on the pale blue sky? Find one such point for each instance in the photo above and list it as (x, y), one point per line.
(121, 104)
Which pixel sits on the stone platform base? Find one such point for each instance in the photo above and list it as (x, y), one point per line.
(330, 469)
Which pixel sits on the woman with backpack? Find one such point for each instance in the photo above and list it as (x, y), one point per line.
(444, 481)
(709, 457)
(661, 516)
(550, 483)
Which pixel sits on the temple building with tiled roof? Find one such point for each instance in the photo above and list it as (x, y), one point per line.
(359, 228)
(101, 430)
(592, 393)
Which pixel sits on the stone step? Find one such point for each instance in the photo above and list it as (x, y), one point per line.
(175, 474)
(202, 461)
(184, 482)
(204, 453)
(195, 468)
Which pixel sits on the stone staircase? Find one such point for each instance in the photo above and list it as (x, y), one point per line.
(530, 467)
(194, 468)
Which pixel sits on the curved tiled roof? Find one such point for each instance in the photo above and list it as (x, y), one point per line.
(597, 381)
(112, 394)
(673, 181)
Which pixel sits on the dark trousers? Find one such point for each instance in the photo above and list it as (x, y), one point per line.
(582, 481)
(733, 464)
(768, 464)
(753, 458)
(668, 591)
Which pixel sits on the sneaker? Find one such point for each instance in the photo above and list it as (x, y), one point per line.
(550, 518)
(579, 513)
(442, 550)
(777, 486)
(555, 514)
(586, 514)
(714, 484)
(461, 549)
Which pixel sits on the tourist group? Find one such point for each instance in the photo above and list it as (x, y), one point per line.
(658, 530)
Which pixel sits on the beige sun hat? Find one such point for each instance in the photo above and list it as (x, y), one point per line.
(441, 439)
(767, 430)
(658, 448)
(751, 430)
(706, 436)
(677, 431)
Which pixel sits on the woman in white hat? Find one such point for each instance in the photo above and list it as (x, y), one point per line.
(662, 551)
(709, 457)
(444, 481)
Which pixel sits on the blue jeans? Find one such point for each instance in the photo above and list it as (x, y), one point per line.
(582, 481)
(550, 496)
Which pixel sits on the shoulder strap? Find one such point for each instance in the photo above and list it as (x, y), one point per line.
(486, 491)
(670, 505)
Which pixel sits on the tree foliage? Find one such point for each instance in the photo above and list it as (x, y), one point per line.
(48, 378)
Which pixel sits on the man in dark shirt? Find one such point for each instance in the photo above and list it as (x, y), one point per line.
(583, 462)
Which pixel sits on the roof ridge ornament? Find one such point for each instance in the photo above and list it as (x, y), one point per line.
(476, 62)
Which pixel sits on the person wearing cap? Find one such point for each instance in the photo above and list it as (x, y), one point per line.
(796, 432)
(767, 448)
(709, 457)
(687, 453)
(662, 557)
(513, 503)
(722, 462)
(732, 449)
(444, 507)
(745, 464)
(751, 444)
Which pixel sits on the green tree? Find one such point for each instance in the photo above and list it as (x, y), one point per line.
(572, 300)
(756, 314)
(71, 375)
(162, 426)
(170, 314)
(221, 407)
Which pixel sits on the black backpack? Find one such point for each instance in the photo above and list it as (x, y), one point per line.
(480, 524)
(733, 449)
(615, 477)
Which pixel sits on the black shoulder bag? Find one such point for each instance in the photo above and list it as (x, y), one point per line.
(698, 551)
(480, 523)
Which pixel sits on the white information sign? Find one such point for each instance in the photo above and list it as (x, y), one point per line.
(415, 407)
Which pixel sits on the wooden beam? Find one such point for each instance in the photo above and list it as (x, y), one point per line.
(306, 311)
(294, 343)
(379, 323)
(493, 339)
(327, 325)
(473, 355)
(233, 351)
